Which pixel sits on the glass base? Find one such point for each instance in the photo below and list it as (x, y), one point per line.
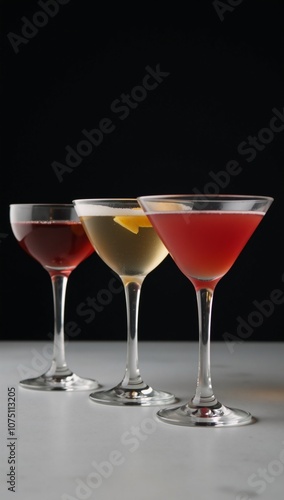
(70, 382)
(210, 416)
(133, 395)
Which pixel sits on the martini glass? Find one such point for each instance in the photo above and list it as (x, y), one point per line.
(125, 240)
(53, 235)
(204, 235)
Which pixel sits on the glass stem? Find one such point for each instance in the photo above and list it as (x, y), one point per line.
(204, 395)
(59, 366)
(132, 295)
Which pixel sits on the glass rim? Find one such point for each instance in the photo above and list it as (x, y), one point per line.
(86, 200)
(211, 197)
(58, 205)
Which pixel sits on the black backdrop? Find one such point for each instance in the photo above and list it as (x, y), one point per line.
(214, 96)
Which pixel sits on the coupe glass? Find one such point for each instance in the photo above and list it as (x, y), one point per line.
(53, 235)
(125, 240)
(205, 235)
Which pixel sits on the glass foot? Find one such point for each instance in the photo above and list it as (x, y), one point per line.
(143, 395)
(210, 416)
(70, 382)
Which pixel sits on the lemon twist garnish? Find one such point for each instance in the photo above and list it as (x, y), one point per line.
(133, 222)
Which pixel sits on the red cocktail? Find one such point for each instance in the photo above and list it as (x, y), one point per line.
(53, 235)
(205, 245)
(58, 246)
(204, 234)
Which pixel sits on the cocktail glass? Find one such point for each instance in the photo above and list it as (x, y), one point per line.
(205, 235)
(53, 235)
(125, 240)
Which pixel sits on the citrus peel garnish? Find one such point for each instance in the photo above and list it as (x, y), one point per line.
(133, 222)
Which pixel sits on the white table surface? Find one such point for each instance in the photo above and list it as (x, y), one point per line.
(67, 445)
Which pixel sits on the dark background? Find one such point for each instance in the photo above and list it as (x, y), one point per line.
(226, 76)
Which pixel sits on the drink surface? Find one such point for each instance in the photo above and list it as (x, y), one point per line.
(59, 246)
(128, 244)
(204, 244)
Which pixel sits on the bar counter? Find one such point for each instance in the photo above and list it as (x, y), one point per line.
(63, 446)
